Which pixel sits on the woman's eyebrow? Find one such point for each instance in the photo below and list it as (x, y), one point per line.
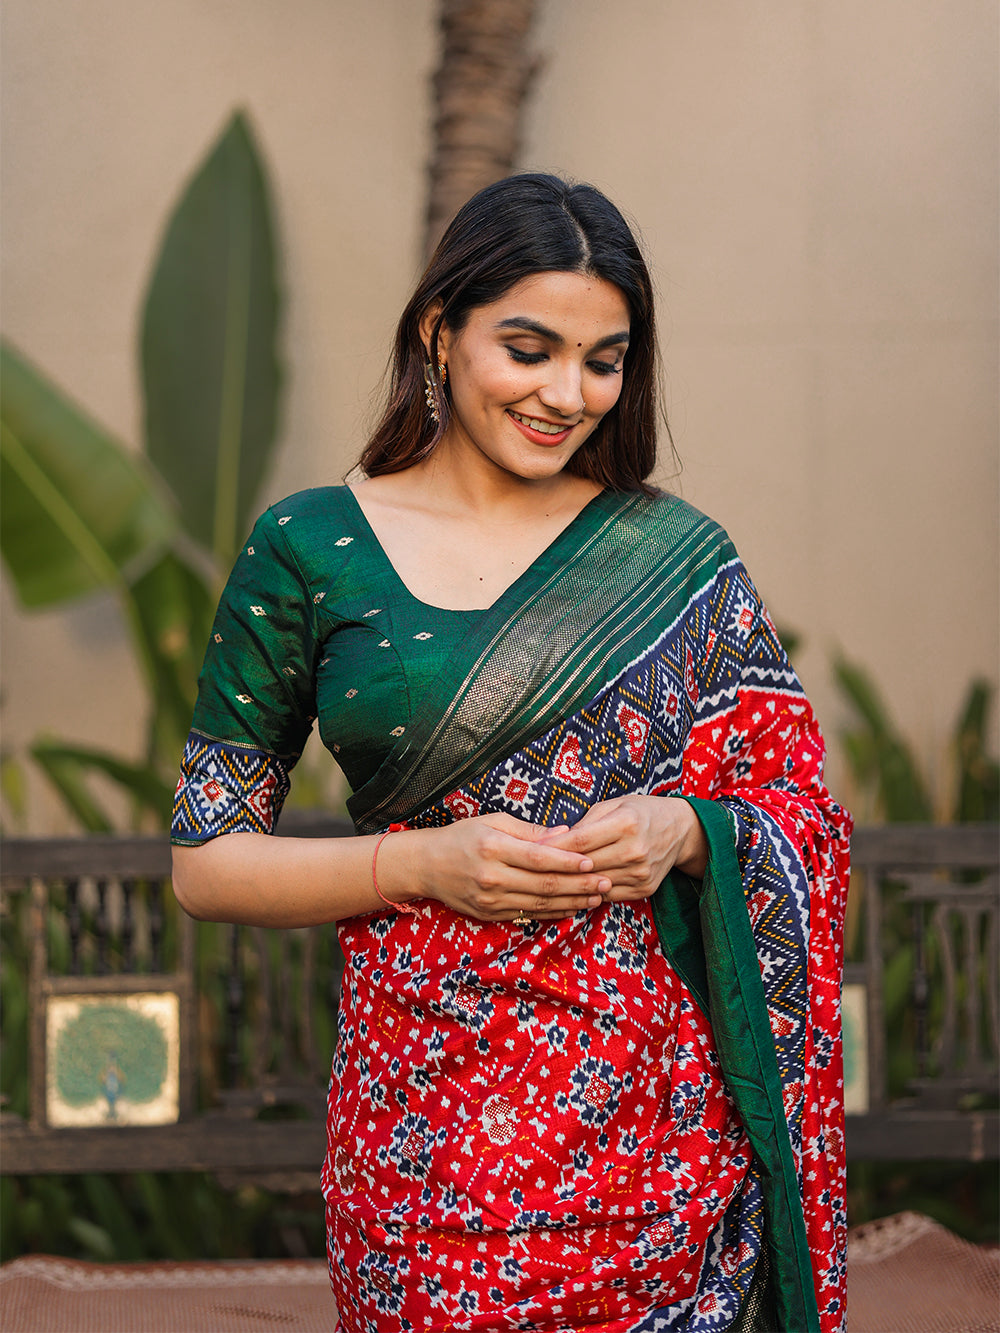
(532, 326)
(613, 340)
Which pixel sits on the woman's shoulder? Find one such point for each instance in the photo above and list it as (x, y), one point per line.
(315, 534)
(318, 505)
(307, 519)
(323, 540)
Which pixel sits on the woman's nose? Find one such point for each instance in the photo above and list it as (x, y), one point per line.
(563, 389)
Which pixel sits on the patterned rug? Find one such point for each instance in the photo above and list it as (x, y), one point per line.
(907, 1274)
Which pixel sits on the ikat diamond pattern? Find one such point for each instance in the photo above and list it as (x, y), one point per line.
(713, 709)
(528, 1127)
(226, 789)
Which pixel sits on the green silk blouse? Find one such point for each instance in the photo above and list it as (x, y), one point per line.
(315, 623)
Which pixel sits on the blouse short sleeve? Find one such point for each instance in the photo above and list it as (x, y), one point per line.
(256, 695)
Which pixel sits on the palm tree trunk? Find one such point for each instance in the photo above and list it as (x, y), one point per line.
(480, 89)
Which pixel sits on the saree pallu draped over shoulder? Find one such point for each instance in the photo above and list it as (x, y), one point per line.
(632, 1119)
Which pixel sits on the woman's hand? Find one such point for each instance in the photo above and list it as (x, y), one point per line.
(635, 841)
(492, 868)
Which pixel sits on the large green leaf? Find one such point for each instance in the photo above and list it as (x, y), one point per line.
(877, 753)
(978, 773)
(76, 508)
(69, 781)
(68, 766)
(174, 605)
(210, 368)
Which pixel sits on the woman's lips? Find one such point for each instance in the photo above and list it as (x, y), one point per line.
(539, 436)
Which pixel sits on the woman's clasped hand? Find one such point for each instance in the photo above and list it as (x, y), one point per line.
(496, 867)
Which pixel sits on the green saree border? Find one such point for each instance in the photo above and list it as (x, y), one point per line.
(705, 932)
(585, 609)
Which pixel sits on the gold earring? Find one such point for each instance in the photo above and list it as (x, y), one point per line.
(430, 393)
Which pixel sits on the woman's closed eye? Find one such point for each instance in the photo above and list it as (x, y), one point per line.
(524, 358)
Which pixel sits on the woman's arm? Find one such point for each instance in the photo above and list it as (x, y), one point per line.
(491, 868)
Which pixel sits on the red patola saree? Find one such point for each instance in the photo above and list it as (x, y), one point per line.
(628, 1120)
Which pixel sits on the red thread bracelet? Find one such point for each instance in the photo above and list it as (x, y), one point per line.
(399, 907)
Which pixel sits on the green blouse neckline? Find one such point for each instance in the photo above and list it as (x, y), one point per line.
(539, 560)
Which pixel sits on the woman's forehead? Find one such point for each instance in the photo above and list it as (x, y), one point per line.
(565, 304)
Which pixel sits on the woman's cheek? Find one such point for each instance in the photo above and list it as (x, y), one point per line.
(614, 392)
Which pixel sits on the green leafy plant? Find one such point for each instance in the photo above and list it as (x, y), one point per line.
(883, 766)
(880, 759)
(82, 513)
(978, 792)
(891, 786)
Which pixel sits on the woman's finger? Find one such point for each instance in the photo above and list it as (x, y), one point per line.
(520, 828)
(601, 827)
(552, 910)
(541, 858)
(545, 888)
(497, 880)
(529, 899)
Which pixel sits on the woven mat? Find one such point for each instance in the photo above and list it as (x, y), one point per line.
(906, 1274)
(39, 1294)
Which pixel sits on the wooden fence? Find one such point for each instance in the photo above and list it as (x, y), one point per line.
(156, 1044)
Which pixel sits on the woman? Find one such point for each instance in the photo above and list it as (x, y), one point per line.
(588, 1063)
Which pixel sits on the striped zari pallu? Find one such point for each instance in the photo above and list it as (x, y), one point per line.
(630, 1120)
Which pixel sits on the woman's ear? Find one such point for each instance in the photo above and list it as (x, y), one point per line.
(428, 320)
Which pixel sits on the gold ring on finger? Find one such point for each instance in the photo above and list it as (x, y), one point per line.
(522, 919)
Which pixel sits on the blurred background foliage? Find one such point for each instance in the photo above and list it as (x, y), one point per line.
(159, 529)
(889, 784)
(891, 788)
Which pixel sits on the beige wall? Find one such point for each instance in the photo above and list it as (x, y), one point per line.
(816, 184)
(107, 106)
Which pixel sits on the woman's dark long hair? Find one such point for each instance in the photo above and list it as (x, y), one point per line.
(520, 226)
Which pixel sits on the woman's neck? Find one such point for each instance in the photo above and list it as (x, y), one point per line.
(483, 493)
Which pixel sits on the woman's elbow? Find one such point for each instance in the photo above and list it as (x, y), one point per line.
(189, 882)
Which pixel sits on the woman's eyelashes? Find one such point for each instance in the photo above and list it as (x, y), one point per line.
(524, 358)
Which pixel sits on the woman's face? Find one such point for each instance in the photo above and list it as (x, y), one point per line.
(532, 374)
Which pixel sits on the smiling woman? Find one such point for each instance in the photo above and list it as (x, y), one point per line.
(529, 378)
(546, 356)
(509, 233)
(588, 1068)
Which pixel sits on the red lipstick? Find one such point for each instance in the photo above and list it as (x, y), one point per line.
(538, 436)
